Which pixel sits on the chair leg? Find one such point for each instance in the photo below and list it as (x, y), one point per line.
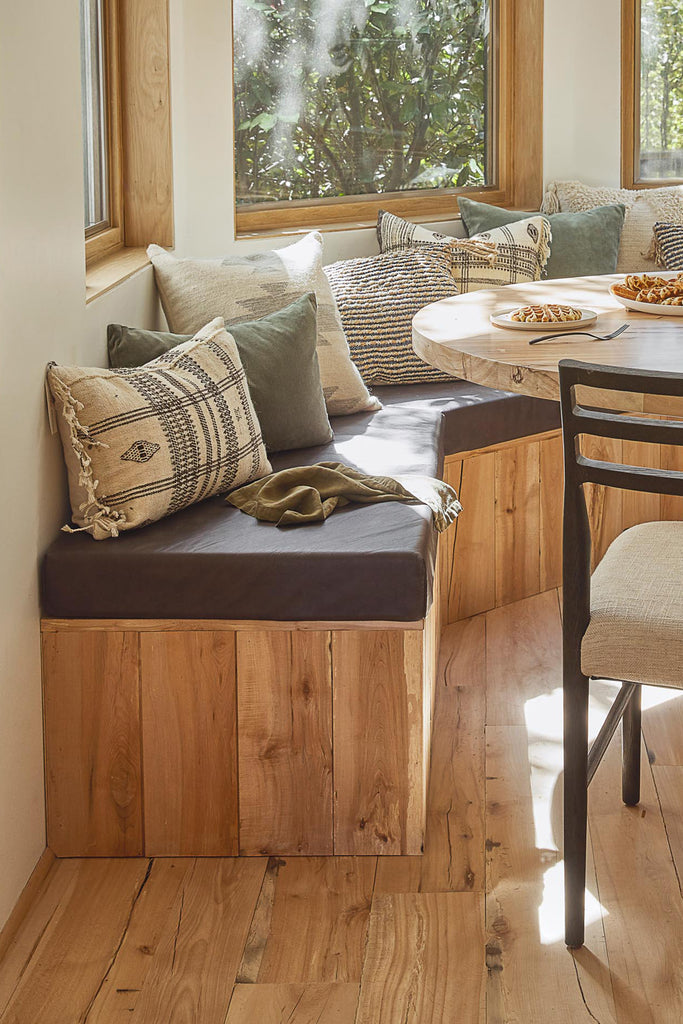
(630, 770)
(575, 804)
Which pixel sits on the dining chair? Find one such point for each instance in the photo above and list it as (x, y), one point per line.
(625, 622)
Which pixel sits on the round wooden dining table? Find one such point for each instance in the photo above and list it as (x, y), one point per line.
(456, 335)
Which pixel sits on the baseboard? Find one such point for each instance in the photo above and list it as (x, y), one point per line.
(26, 900)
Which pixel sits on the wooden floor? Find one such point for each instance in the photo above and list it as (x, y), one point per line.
(469, 933)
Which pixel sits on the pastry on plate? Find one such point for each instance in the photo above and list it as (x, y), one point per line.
(551, 313)
(649, 288)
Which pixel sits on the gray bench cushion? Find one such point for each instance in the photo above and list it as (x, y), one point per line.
(376, 562)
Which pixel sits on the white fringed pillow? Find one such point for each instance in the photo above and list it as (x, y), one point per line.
(644, 207)
(141, 444)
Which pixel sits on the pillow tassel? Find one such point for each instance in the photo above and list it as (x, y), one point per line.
(103, 520)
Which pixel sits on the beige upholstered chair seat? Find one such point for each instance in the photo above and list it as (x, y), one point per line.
(636, 627)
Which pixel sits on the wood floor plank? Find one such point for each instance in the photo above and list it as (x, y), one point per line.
(316, 929)
(154, 916)
(523, 656)
(76, 940)
(663, 726)
(532, 977)
(669, 783)
(331, 1003)
(181, 953)
(640, 892)
(425, 960)
(454, 840)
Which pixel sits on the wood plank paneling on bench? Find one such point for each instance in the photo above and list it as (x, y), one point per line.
(472, 580)
(189, 726)
(285, 742)
(92, 744)
(551, 497)
(517, 524)
(379, 759)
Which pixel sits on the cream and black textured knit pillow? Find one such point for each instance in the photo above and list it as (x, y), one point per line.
(141, 444)
(378, 298)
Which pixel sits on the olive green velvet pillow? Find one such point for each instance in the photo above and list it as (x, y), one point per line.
(583, 244)
(280, 360)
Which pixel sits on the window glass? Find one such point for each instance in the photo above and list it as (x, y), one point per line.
(354, 97)
(93, 81)
(661, 89)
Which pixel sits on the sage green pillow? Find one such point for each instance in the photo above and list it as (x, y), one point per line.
(279, 356)
(583, 244)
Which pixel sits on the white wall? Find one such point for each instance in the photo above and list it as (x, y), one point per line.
(582, 91)
(43, 316)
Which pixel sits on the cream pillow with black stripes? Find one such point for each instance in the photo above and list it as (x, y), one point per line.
(515, 253)
(141, 444)
(378, 297)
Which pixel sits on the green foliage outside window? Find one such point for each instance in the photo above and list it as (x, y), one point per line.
(661, 89)
(351, 97)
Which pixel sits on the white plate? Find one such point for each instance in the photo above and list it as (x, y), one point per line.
(654, 309)
(588, 317)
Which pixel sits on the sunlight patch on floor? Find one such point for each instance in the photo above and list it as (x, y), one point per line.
(543, 716)
(551, 910)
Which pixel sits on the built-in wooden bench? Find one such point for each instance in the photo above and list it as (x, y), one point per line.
(179, 720)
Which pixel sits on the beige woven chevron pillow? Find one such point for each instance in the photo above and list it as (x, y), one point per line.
(644, 207)
(241, 288)
(141, 444)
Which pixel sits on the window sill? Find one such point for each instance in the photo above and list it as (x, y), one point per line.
(107, 273)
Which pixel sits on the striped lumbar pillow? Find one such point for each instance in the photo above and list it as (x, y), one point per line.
(378, 297)
(669, 245)
(140, 444)
(513, 254)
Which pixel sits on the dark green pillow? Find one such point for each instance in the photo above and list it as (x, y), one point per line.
(281, 363)
(583, 243)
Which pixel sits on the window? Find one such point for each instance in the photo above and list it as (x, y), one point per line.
(101, 141)
(95, 141)
(340, 102)
(653, 92)
(127, 161)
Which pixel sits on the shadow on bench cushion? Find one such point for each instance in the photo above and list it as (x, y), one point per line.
(211, 561)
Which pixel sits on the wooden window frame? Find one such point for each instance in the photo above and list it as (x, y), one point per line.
(630, 102)
(138, 129)
(518, 141)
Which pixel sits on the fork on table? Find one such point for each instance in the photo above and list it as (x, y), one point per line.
(583, 334)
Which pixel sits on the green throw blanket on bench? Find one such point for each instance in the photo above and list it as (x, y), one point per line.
(309, 494)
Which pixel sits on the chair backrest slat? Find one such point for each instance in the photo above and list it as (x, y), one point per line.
(580, 420)
(627, 428)
(630, 478)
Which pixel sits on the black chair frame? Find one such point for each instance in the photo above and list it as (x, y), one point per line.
(580, 764)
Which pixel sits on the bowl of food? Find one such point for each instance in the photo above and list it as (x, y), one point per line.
(660, 295)
(552, 316)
